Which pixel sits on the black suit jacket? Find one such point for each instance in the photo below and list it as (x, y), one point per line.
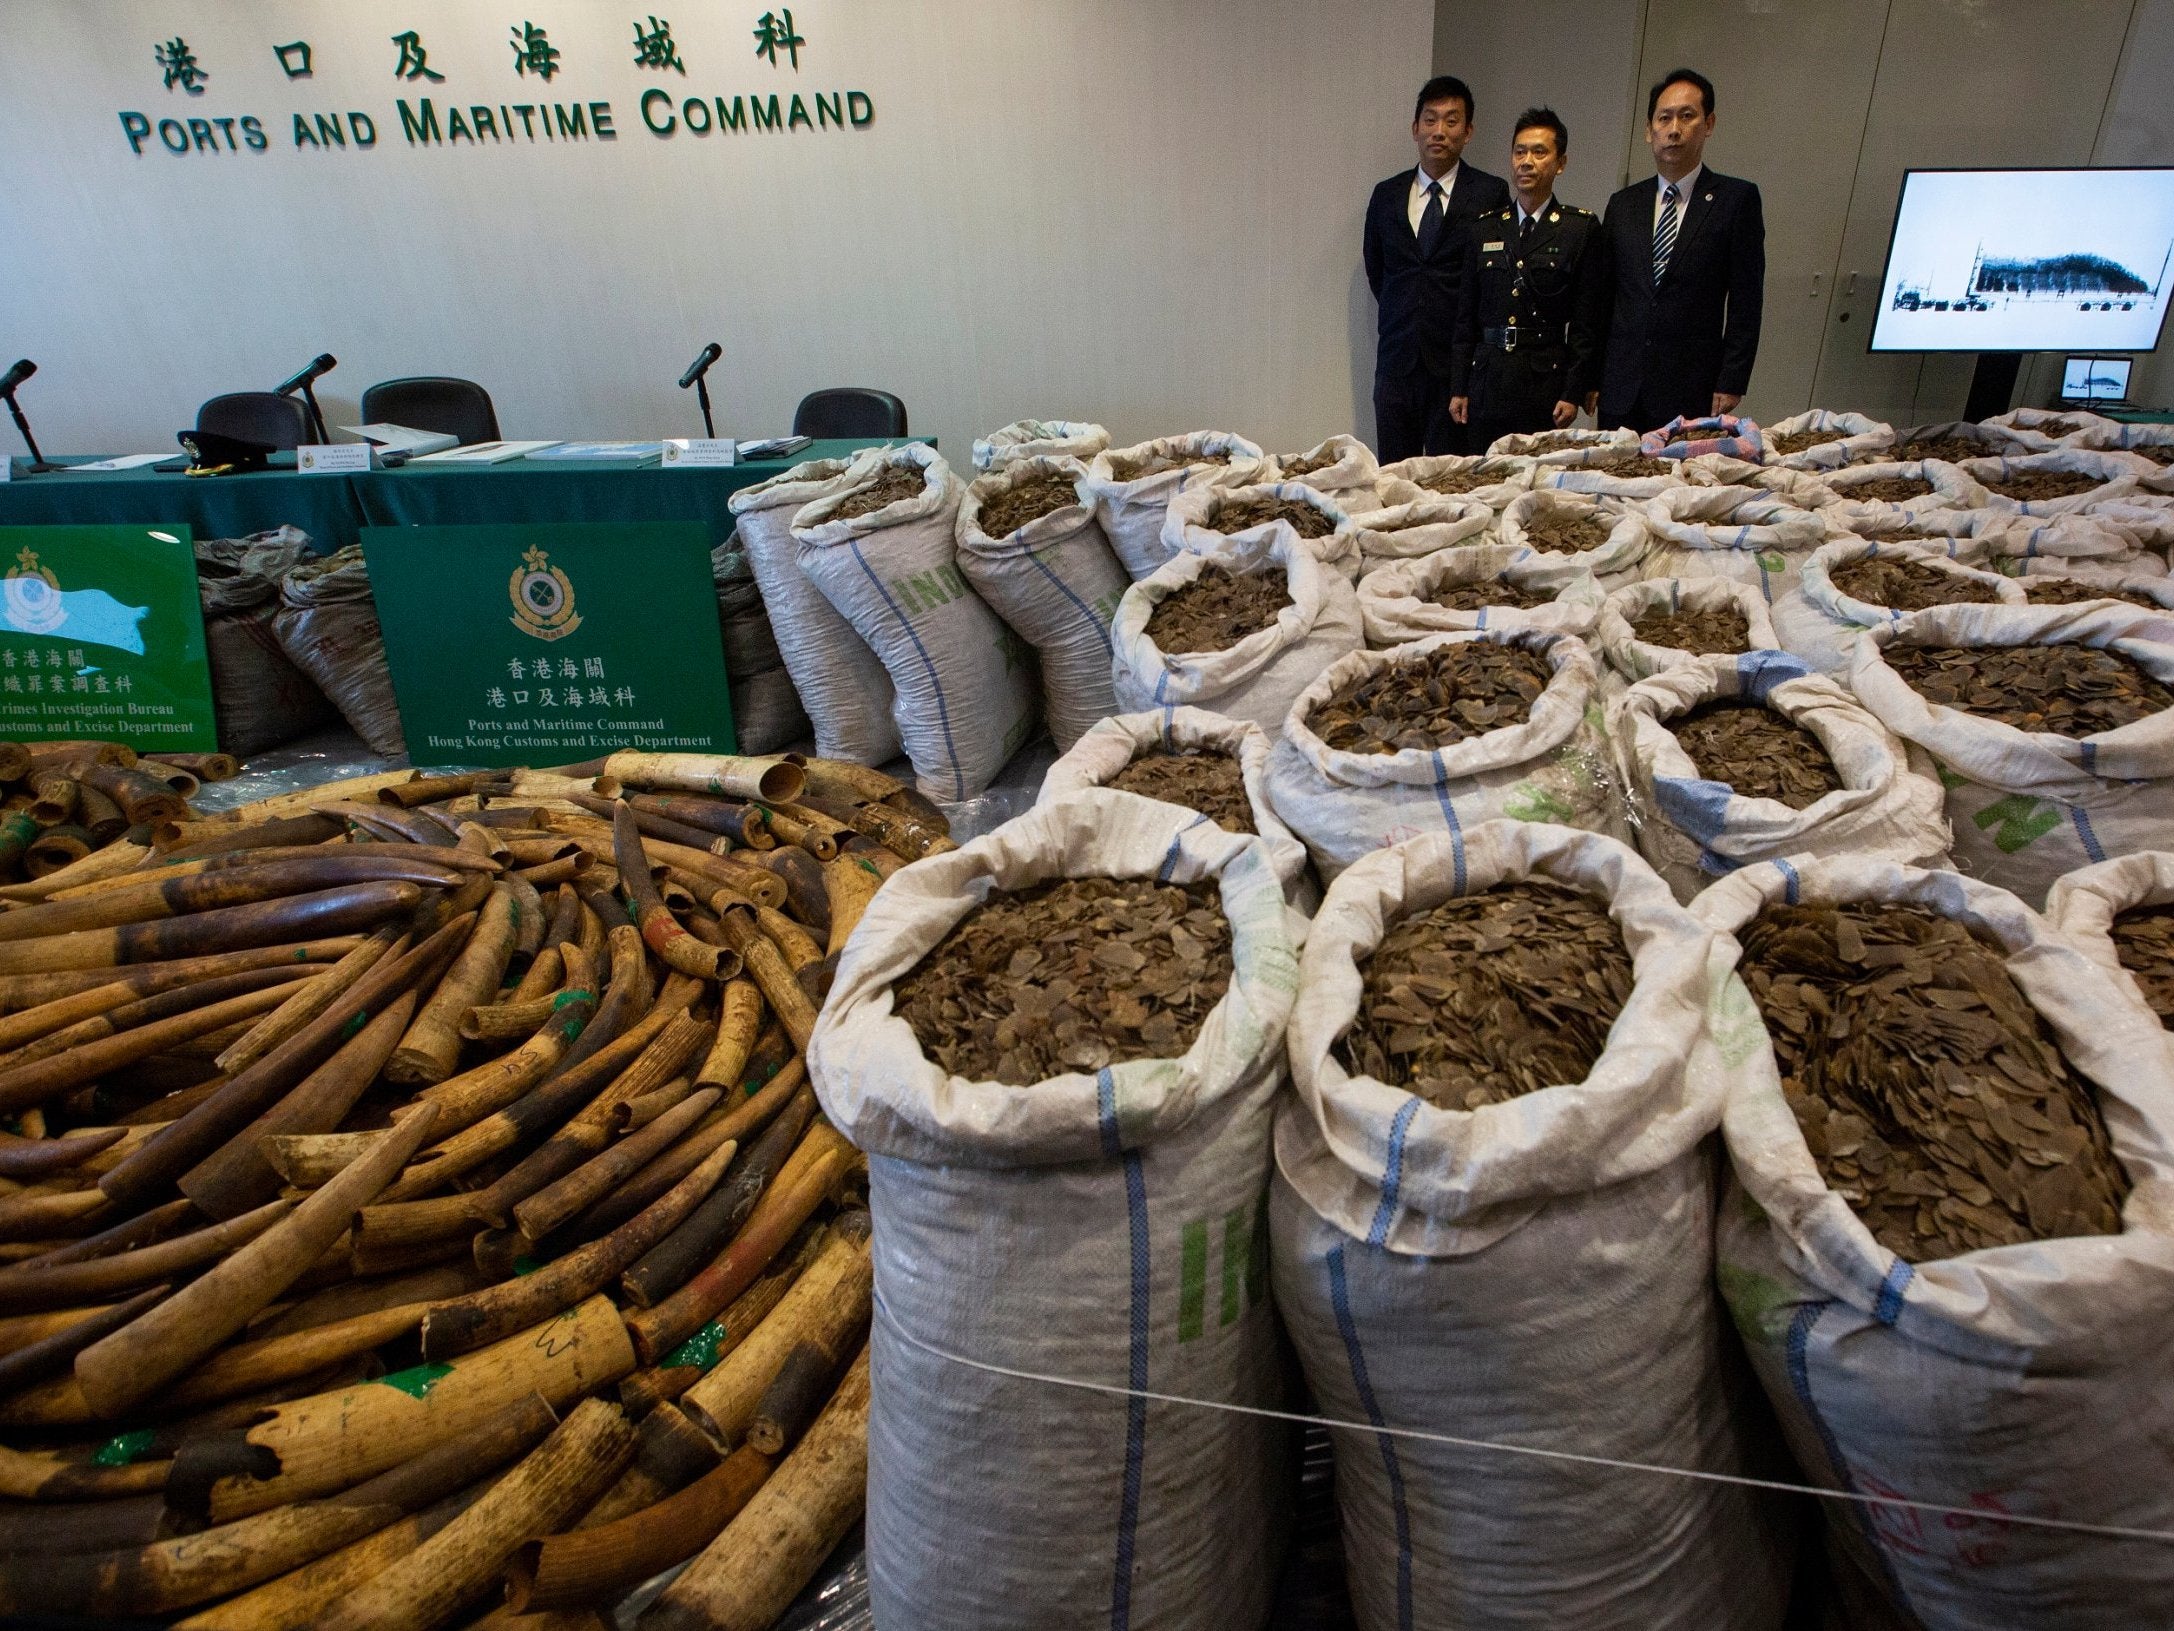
(1417, 293)
(1696, 331)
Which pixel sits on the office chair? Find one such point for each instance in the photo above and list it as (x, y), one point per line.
(851, 410)
(262, 417)
(452, 407)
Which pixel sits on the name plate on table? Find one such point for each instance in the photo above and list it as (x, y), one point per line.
(698, 451)
(333, 458)
(543, 645)
(102, 636)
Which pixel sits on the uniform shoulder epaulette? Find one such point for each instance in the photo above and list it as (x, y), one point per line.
(1574, 209)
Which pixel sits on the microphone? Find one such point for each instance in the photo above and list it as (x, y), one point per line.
(16, 375)
(701, 364)
(323, 365)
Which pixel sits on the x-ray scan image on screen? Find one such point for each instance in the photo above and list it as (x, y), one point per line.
(2095, 379)
(2028, 260)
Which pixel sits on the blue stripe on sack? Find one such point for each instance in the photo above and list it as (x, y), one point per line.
(1742, 533)
(1889, 1308)
(1716, 866)
(1065, 589)
(936, 684)
(1675, 595)
(1792, 885)
(2088, 753)
(1347, 1328)
(1482, 623)
(1758, 672)
(2083, 831)
(1449, 814)
(1696, 807)
(1128, 1510)
(1392, 1173)
(1800, 1383)
(1170, 856)
(1169, 725)
(1106, 1112)
(1162, 682)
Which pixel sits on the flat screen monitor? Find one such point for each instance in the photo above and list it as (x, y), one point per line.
(2095, 379)
(2028, 260)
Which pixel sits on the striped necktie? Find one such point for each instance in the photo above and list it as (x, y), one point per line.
(1664, 232)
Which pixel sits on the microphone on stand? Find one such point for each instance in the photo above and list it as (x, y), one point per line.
(22, 370)
(696, 376)
(320, 366)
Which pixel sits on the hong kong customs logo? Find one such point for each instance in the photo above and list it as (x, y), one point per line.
(543, 598)
(33, 596)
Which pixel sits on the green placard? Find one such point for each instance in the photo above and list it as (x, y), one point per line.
(102, 636)
(541, 645)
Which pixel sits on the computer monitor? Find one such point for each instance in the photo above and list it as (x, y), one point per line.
(2095, 379)
(2028, 260)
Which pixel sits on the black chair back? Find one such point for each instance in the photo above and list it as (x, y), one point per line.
(257, 416)
(451, 407)
(851, 410)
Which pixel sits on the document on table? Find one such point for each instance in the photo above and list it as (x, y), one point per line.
(127, 461)
(601, 450)
(484, 453)
(402, 438)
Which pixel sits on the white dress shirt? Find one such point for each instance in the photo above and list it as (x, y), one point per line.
(1524, 215)
(1416, 205)
(1684, 189)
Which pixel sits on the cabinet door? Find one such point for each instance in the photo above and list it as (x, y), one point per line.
(1792, 85)
(2009, 82)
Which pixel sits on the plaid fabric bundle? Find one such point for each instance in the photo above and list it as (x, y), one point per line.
(1684, 438)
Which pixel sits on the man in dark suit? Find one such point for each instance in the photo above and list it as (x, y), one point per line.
(1535, 275)
(1688, 251)
(1415, 230)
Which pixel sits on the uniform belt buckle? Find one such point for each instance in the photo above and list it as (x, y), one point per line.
(1509, 338)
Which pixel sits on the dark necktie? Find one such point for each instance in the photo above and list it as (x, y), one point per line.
(1664, 231)
(1524, 233)
(1430, 218)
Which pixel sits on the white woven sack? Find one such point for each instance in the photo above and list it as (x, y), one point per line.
(2145, 515)
(2033, 426)
(1615, 562)
(1068, 1229)
(1635, 659)
(1131, 511)
(2158, 590)
(1554, 766)
(2119, 476)
(841, 681)
(2028, 806)
(1056, 583)
(1731, 532)
(1188, 524)
(1105, 751)
(1694, 829)
(1598, 483)
(1860, 436)
(2026, 1380)
(1822, 625)
(1996, 438)
(1537, 1272)
(1418, 527)
(964, 691)
(1408, 481)
(1953, 488)
(2083, 905)
(1397, 604)
(1260, 676)
(1347, 476)
(1806, 489)
(1566, 447)
(1039, 438)
(2017, 545)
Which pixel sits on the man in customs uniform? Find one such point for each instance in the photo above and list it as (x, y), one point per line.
(1532, 299)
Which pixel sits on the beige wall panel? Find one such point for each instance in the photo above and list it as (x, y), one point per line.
(2139, 129)
(1575, 56)
(1965, 83)
(1792, 84)
(1142, 213)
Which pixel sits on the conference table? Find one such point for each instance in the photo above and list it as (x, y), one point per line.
(333, 508)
